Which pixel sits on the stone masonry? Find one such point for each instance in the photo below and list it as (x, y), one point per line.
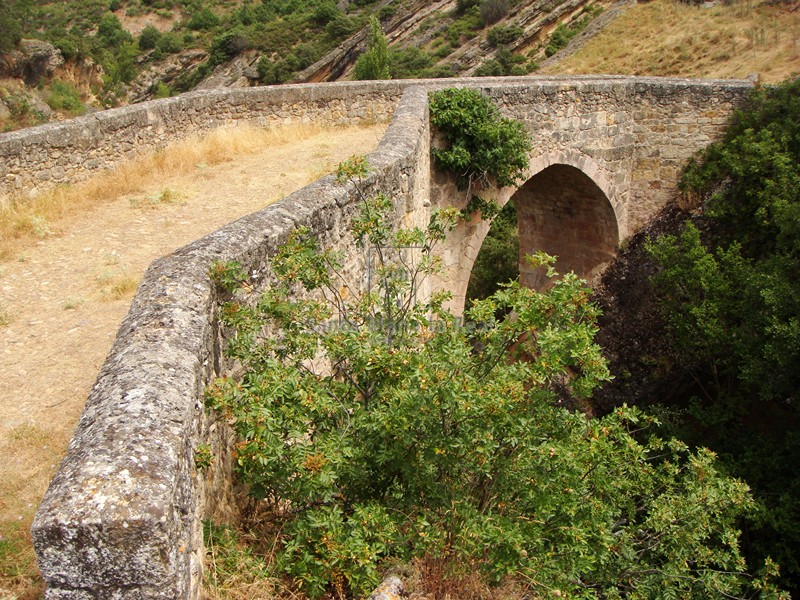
(121, 518)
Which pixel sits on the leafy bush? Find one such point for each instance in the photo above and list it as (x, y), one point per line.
(325, 13)
(479, 143)
(503, 34)
(463, 6)
(465, 27)
(111, 33)
(10, 26)
(203, 19)
(149, 37)
(493, 10)
(162, 90)
(341, 27)
(65, 98)
(505, 63)
(227, 45)
(380, 427)
(170, 43)
(374, 62)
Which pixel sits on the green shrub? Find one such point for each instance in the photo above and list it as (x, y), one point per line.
(463, 6)
(493, 11)
(170, 43)
(65, 98)
(730, 295)
(502, 35)
(479, 143)
(408, 63)
(341, 27)
(505, 63)
(10, 26)
(162, 90)
(498, 259)
(227, 45)
(465, 27)
(111, 33)
(203, 19)
(149, 37)
(325, 13)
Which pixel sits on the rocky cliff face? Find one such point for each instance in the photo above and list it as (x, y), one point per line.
(32, 61)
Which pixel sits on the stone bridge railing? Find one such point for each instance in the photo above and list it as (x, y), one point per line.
(122, 516)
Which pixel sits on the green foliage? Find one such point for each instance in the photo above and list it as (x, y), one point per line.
(205, 18)
(162, 90)
(408, 62)
(111, 33)
(498, 259)
(65, 98)
(502, 35)
(229, 275)
(226, 45)
(10, 25)
(380, 427)
(505, 63)
(493, 10)
(374, 62)
(563, 34)
(149, 37)
(731, 298)
(341, 27)
(479, 143)
(325, 13)
(203, 457)
(463, 6)
(465, 27)
(169, 43)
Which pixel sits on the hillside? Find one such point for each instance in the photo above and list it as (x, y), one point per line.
(64, 59)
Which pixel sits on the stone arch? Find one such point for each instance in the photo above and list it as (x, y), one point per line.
(568, 209)
(598, 217)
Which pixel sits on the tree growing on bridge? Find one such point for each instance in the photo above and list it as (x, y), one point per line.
(377, 427)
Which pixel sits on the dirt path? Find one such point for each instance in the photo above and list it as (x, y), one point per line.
(65, 297)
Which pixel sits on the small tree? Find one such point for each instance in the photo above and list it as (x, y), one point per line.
(374, 63)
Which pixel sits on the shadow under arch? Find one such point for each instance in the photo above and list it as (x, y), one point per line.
(563, 211)
(567, 207)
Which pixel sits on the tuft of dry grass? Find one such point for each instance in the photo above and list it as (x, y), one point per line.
(24, 220)
(669, 38)
(33, 451)
(236, 566)
(116, 285)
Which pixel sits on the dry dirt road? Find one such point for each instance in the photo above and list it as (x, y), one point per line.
(64, 297)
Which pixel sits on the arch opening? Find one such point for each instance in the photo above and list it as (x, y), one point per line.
(563, 212)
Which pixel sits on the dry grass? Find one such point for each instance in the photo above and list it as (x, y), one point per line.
(668, 38)
(237, 564)
(32, 450)
(24, 221)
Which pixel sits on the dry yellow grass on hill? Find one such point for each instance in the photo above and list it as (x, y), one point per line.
(668, 38)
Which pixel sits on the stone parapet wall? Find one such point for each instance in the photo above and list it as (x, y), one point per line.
(68, 151)
(121, 518)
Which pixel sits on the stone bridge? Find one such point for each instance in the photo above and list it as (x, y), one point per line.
(122, 517)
